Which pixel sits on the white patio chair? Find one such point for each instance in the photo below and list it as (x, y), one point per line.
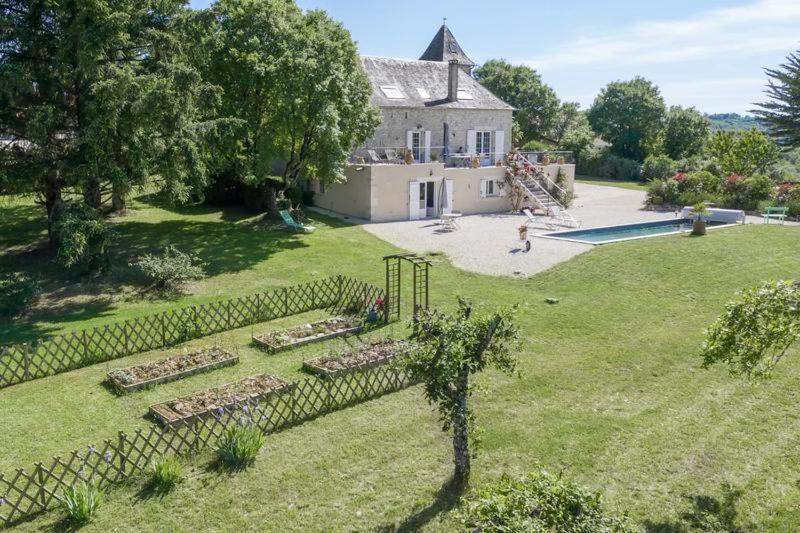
(563, 218)
(391, 155)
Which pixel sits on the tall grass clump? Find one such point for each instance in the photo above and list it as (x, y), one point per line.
(239, 446)
(81, 502)
(167, 473)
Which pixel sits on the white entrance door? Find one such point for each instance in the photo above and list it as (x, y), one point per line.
(414, 199)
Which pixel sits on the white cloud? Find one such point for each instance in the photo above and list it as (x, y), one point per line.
(761, 26)
(715, 95)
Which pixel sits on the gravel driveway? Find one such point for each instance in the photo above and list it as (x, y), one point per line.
(489, 244)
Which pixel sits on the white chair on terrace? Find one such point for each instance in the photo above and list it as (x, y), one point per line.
(373, 157)
(563, 218)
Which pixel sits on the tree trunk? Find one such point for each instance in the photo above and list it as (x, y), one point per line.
(271, 199)
(52, 202)
(91, 193)
(461, 430)
(118, 196)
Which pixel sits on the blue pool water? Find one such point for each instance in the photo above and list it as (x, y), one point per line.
(627, 231)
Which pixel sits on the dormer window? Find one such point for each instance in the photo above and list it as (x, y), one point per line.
(392, 92)
(423, 93)
(464, 95)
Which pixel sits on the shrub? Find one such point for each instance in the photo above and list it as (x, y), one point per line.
(83, 237)
(81, 502)
(618, 168)
(167, 472)
(239, 446)
(535, 146)
(17, 291)
(746, 193)
(658, 167)
(793, 202)
(539, 502)
(662, 192)
(169, 270)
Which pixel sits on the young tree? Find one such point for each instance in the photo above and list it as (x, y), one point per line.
(451, 348)
(630, 116)
(536, 104)
(756, 330)
(294, 82)
(686, 132)
(782, 111)
(743, 153)
(578, 137)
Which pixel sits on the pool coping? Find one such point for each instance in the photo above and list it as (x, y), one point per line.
(554, 235)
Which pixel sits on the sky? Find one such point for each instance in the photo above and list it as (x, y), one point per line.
(709, 54)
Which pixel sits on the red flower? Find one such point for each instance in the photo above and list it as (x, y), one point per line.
(732, 179)
(680, 177)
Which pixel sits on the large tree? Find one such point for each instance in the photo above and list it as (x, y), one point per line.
(536, 104)
(782, 111)
(94, 95)
(630, 116)
(294, 82)
(686, 132)
(451, 349)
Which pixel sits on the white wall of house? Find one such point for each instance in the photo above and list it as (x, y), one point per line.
(384, 193)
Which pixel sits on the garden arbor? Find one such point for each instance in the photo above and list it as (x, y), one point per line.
(419, 268)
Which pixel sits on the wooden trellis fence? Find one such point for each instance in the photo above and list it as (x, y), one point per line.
(27, 492)
(46, 357)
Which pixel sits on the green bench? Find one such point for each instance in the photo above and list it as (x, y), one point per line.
(289, 221)
(776, 213)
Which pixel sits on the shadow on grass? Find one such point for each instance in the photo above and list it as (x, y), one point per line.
(706, 513)
(447, 498)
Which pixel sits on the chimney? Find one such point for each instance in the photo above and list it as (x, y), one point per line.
(452, 80)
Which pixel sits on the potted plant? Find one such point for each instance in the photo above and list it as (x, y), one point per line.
(408, 158)
(546, 159)
(523, 232)
(560, 160)
(699, 225)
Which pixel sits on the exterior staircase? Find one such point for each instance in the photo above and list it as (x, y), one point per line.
(537, 192)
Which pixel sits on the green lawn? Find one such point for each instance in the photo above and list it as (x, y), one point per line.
(633, 185)
(610, 391)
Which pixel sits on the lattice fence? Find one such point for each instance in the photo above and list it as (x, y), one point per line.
(27, 492)
(24, 362)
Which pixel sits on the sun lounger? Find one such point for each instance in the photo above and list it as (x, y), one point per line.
(391, 155)
(289, 221)
(562, 218)
(374, 157)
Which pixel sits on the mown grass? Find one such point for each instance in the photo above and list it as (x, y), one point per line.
(633, 185)
(611, 393)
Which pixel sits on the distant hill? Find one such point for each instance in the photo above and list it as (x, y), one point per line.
(734, 122)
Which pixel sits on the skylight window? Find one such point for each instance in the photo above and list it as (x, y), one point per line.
(464, 95)
(423, 93)
(392, 92)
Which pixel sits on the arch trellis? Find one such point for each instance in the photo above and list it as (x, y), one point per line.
(420, 268)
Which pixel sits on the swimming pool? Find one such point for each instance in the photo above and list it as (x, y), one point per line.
(626, 232)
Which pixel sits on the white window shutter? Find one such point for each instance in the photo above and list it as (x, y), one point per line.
(471, 142)
(427, 154)
(409, 139)
(483, 188)
(499, 144)
(413, 200)
(447, 206)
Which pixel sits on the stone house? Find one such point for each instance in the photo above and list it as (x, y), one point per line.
(440, 144)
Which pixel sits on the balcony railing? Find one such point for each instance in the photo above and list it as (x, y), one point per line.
(436, 154)
(551, 157)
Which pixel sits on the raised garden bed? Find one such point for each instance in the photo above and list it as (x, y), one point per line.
(170, 369)
(359, 358)
(211, 401)
(315, 331)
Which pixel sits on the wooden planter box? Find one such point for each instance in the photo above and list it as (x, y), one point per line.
(361, 358)
(294, 337)
(210, 402)
(126, 380)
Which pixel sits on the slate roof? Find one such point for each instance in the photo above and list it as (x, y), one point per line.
(444, 47)
(408, 75)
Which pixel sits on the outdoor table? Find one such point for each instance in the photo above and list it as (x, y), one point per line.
(449, 220)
